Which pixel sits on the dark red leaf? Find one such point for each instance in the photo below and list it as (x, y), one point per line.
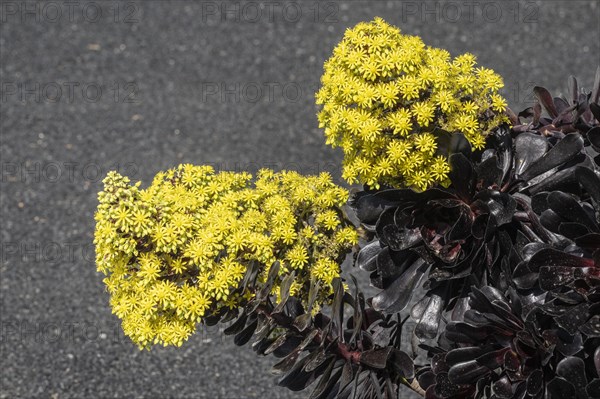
(296, 379)
(402, 364)
(502, 388)
(461, 175)
(573, 90)
(545, 100)
(277, 343)
(237, 326)
(467, 372)
(592, 328)
(597, 360)
(529, 148)
(511, 361)
(562, 152)
(593, 389)
(444, 388)
(326, 383)
(559, 388)
(569, 209)
(553, 277)
(595, 109)
(554, 257)
(367, 256)
(590, 181)
(244, 336)
(286, 363)
(376, 358)
(395, 298)
(535, 382)
(572, 369)
(595, 97)
(594, 137)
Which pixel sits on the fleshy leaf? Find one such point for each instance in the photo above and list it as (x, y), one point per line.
(395, 298)
(428, 325)
(568, 208)
(367, 256)
(554, 257)
(590, 181)
(545, 100)
(562, 152)
(529, 148)
(467, 372)
(592, 327)
(326, 382)
(572, 369)
(244, 336)
(237, 326)
(402, 364)
(376, 358)
(559, 388)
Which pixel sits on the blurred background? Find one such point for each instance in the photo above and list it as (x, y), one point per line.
(88, 87)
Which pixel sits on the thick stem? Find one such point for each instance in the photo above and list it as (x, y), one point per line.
(414, 385)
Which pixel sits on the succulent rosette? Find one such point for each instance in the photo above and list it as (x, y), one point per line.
(507, 256)
(507, 346)
(459, 235)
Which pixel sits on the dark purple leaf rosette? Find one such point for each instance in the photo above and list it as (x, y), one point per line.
(506, 259)
(507, 346)
(447, 239)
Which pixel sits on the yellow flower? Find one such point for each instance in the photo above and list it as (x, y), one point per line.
(163, 292)
(466, 124)
(425, 143)
(370, 129)
(347, 236)
(420, 180)
(478, 142)
(388, 92)
(178, 265)
(150, 266)
(384, 167)
(237, 240)
(423, 112)
(141, 222)
(370, 68)
(327, 219)
(469, 107)
(400, 122)
(325, 270)
(398, 151)
(498, 103)
(297, 256)
(440, 169)
(123, 218)
(445, 100)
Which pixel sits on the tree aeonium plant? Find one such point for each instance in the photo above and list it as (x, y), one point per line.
(480, 225)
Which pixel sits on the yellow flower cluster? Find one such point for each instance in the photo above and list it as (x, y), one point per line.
(177, 251)
(384, 95)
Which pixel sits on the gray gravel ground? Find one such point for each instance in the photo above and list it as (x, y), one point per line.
(142, 86)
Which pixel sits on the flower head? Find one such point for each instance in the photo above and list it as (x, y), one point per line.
(178, 251)
(381, 88)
